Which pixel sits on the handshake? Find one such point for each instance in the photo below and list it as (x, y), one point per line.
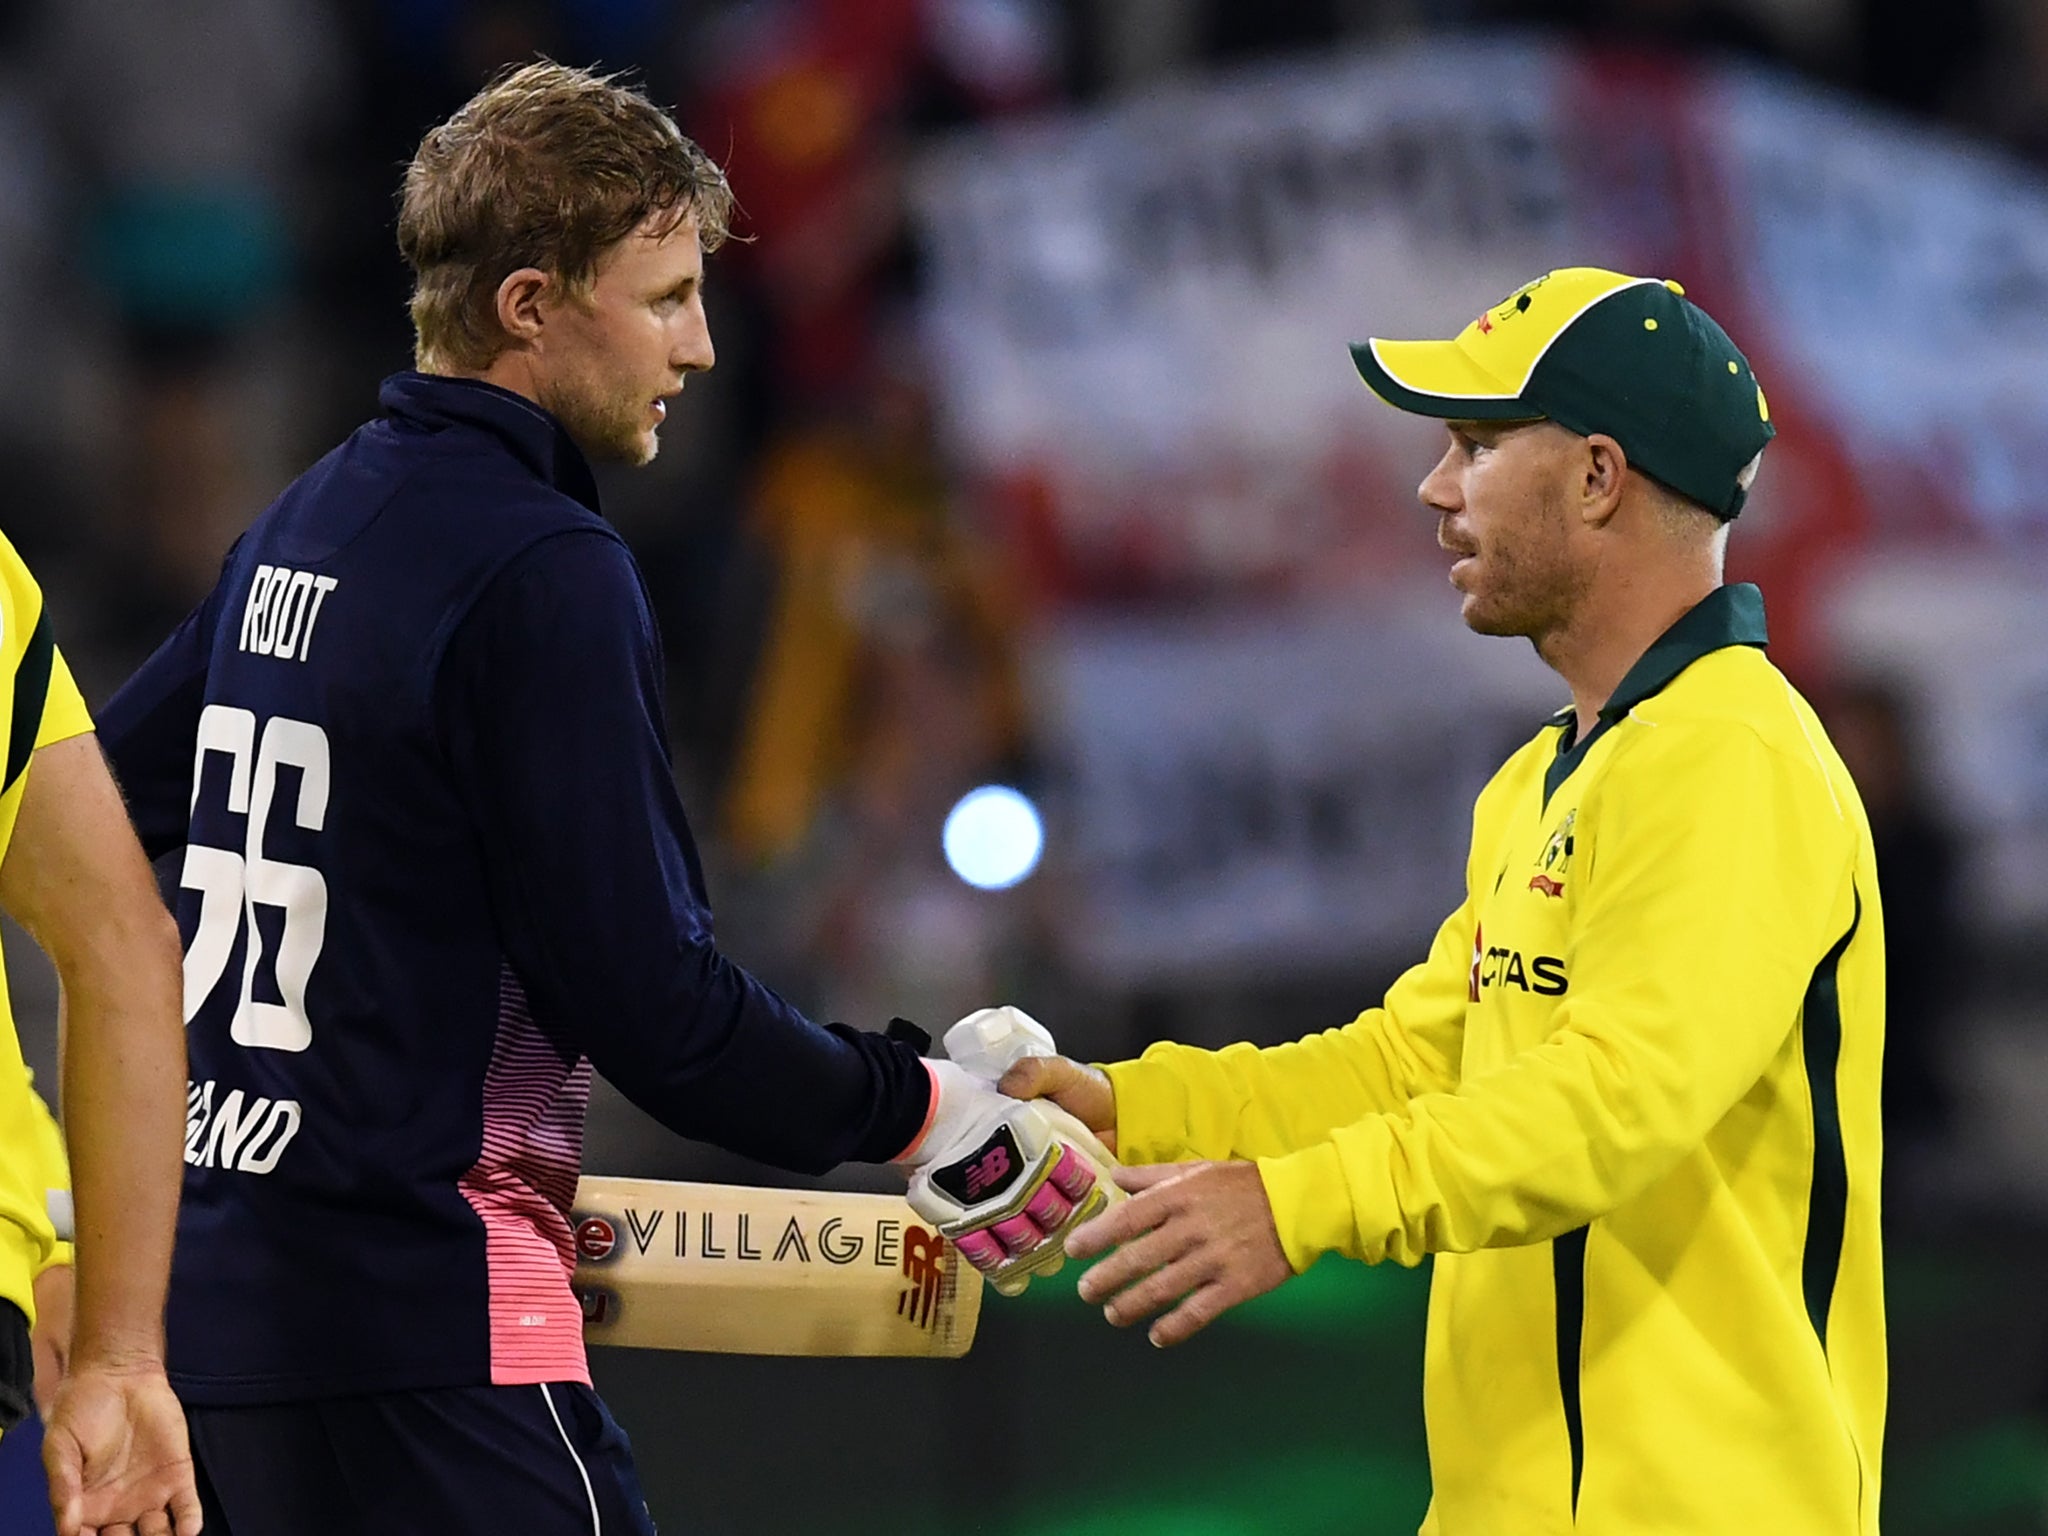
(1006, 1180)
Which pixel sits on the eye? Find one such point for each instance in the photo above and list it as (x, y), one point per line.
(676, 297)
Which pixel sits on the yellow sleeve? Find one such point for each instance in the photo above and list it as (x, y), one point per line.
(52, 1169)
(1177, 1101)
(64, 711)
(34, 671)
(1706, 914)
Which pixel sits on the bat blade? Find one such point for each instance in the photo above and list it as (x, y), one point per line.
(734, 1269)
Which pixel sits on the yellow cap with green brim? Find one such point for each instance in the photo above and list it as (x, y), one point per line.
(1597, 351)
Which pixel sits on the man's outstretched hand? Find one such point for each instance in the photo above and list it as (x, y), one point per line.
(117, 1454)
(1082, 1091)
(1194, 1240)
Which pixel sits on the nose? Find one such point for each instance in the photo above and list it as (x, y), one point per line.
(694, 352)
(1439, 488)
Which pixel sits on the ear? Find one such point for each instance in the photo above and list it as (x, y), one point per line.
(522, 300)
(1604, 474)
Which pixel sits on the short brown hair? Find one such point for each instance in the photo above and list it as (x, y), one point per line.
(547, 167)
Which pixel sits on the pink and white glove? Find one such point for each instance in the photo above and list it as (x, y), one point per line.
(1006, 1179)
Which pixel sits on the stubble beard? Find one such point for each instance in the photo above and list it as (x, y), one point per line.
(1533, 591)
(605, 425)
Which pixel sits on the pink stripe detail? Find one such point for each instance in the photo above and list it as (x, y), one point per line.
(522, 1188)
(931, 1113)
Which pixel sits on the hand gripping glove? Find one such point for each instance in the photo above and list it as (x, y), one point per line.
(1007, 1179)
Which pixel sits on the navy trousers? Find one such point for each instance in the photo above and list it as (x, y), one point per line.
(460, 1461)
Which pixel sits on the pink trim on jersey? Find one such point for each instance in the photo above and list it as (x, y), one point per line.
(522, 1188)
(931, 1113)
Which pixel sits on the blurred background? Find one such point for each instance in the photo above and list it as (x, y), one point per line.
(1033, 457)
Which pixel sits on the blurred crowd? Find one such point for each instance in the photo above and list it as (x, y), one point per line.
(199, 290)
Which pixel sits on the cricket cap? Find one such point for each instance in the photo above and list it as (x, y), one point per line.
(1597, 351)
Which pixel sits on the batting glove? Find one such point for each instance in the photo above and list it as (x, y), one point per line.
(1006, 1180)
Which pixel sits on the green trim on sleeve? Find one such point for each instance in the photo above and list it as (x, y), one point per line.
(1827, 1207)
(1568, 1277)
(31, 687)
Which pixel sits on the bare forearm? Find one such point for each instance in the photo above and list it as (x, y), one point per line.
(124, 1075)
(74, 876)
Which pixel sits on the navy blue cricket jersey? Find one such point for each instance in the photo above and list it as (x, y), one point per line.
(435, 868)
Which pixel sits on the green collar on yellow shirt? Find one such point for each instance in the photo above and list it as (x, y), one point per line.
(1726, 616)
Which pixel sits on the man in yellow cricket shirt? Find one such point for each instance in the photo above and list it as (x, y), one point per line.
(73, 874)
(56, 1282)
(24, 1487)
(1630, 1100)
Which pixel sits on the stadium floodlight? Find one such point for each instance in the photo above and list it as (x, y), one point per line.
(993, 837)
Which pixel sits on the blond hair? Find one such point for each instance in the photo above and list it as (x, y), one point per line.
(546, 167)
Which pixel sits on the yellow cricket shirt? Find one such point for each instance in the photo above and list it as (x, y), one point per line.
(1630, 1101)
(39, 704)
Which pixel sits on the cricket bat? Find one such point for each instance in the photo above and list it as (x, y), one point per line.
(734, 1269)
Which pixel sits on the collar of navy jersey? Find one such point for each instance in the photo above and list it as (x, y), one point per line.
(533, 435)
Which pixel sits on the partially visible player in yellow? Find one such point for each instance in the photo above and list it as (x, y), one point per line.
(1630, 1100)
(24, 1487)
(56, 1281)
(73, 874)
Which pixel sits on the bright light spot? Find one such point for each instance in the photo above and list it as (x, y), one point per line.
(993, 837)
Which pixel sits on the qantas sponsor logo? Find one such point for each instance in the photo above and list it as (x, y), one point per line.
(1496, 966)
(234, 1130)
